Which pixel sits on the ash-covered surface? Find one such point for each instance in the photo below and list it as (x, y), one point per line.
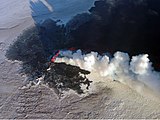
(63, 77)
(34, 53)
(28, 49)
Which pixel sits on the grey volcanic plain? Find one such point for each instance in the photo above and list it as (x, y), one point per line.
(20, 100)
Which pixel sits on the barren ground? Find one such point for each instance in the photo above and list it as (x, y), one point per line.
(113, 100)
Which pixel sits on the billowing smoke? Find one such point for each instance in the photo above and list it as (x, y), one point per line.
(110, 25)
(136, 72)
(130, 26)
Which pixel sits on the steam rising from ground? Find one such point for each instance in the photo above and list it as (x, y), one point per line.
(136, 72)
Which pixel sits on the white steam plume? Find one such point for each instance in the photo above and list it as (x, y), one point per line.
(137, 73)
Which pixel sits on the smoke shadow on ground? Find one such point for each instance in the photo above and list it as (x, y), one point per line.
(109, 26)
(29, 49)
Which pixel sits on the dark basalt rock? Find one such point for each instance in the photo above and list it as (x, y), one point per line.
(64, 77)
